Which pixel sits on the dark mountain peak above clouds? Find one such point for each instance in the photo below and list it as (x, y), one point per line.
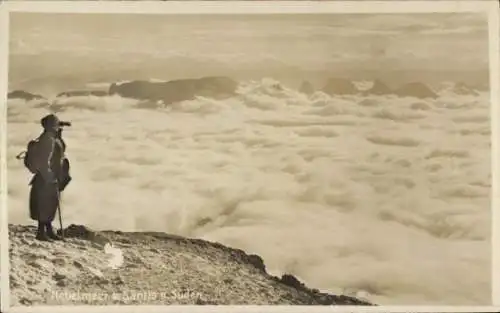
(25, 95)
(306, 87)
(175, 90)
(378, 88)
(415, 89)
(339, 86)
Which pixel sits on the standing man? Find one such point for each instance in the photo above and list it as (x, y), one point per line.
(47, 161)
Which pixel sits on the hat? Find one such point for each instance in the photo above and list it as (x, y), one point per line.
(50, 121)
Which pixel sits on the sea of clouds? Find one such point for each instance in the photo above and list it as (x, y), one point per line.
(378, 195)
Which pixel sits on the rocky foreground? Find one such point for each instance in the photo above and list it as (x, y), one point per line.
(112, 267)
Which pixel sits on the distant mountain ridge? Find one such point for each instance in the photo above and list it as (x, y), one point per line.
(222, 87)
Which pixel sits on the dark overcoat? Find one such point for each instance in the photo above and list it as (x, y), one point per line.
(51, 178)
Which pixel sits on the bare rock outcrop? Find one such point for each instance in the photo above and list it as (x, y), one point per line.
(113, 267)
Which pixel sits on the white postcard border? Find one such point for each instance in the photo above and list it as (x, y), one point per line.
(257, 7)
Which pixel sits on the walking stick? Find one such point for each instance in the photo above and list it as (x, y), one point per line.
(59, 210)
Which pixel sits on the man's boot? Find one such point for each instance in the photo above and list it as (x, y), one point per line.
(51, 234)
(41, 234)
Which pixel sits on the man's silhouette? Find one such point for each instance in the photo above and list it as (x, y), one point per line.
(46, 183)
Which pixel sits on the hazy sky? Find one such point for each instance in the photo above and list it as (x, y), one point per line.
(206, 44)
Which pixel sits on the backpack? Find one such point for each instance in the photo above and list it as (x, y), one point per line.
(66, 176)
(30, 155)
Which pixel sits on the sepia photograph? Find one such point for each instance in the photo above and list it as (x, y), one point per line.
(249, 159)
